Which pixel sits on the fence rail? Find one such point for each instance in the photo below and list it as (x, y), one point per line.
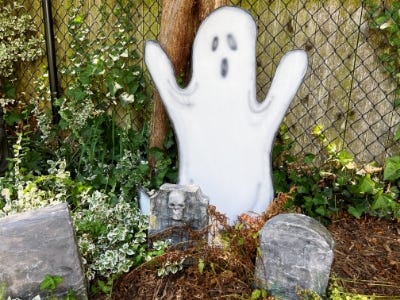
(346, 91)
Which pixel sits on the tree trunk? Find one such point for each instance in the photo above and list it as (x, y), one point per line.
(179, 22)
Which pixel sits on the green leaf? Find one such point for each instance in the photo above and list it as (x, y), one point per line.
(255, 294)
(105, 287)
(49, 282)
(366, 185)
(113, 86)
(309, 158)
(380, 20)
(200, 266)
(321, 211)
(12, 117)
(397, 135)
(342, 179)
(9, 90)
(77, 20)
(397, 102)
(392, 168)
(70, 295)
(383, 201)
(317, 130)
(345, 157)
(356, 211)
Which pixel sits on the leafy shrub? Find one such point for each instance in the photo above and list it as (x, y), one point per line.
(18, 36)
(385, 19)
(92, 158)
(19, 42)
(22, 190)
(338, 183)
(111, 232)
(111, 236)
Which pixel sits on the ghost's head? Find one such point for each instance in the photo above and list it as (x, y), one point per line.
(224, 47)
(176, 204)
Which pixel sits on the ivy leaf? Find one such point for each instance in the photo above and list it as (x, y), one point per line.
(321, 211)
(397, 102)
(113, 86)
(77, 20)
(397, 135)
(12, 118)
(345, 157)
(9, 90)
(309, 158)
(387, 24)
(392, 168)
(366, 185)
(381, 20)
(383, 201)
(356, 211)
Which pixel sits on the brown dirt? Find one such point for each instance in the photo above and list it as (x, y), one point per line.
(367, 261)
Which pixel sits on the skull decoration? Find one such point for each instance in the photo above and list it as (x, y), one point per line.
(176, 204)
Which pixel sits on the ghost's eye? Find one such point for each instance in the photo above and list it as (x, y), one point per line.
(232, 42)
(214, 44)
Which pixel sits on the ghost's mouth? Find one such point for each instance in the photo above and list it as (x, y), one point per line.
(224, 67)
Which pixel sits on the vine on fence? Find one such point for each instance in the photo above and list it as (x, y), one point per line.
(385, 18)
(19, 42)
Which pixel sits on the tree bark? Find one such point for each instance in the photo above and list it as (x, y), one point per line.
(179, 22)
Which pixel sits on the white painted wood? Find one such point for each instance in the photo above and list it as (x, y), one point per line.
(224, 134)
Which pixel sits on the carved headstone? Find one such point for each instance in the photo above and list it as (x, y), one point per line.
(38, 243)
(296, 253)
(177, 208)
(225, 135)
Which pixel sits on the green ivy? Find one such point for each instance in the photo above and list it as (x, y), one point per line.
(385, 19)
(322, 189)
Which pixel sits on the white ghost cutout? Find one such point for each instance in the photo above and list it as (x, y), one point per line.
(224, 134)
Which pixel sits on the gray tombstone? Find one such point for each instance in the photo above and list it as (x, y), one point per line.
(296, 253)
(38, 243)
(177, 208)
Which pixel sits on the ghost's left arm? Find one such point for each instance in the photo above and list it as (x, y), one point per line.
(288, 77)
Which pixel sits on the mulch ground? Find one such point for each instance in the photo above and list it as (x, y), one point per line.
(367, 262)
(367, 255)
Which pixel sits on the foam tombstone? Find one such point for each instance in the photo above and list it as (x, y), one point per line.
(224, 134)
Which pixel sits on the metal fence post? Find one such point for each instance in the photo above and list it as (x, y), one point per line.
(51, 56)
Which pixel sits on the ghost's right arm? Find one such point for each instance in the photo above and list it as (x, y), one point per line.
(162, 73)
(288, 77)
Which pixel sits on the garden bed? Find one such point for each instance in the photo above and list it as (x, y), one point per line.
(367, 262)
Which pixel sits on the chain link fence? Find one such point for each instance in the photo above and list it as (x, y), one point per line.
(346, 97)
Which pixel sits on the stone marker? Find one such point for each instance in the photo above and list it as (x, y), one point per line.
(296, 253)
(178, 207)
(225, 134)
(36, 243)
